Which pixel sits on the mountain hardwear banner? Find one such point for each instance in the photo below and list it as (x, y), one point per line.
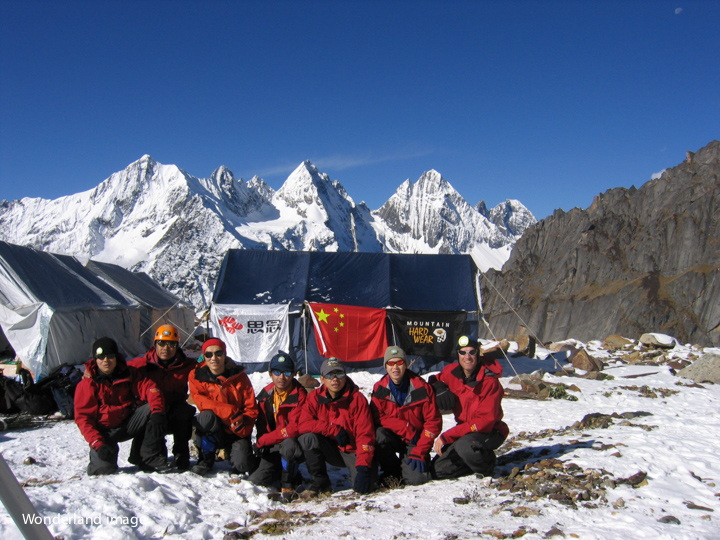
(427, 333)
(253, 334)
(350, 333)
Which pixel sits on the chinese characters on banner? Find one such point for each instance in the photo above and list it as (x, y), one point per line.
(253, 334)
(350, 333)
(427, 333)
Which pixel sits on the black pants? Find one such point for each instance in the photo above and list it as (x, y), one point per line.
(180, 423)
(391, 453)
(319, 451)
(270, 466)
(237, 450)
(147, 440)
(471, 453)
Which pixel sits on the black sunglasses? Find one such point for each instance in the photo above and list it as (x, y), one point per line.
(278, 372)
(210, 354)
(104, 356)
(335, 375)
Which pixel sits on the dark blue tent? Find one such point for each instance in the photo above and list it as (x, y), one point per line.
(432, 283)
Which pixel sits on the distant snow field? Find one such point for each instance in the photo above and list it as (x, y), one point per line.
(663, 466)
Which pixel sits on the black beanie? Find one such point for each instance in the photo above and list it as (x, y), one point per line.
(104, 345)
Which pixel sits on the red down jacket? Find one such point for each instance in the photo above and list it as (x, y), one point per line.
(325, 416)
(272, 429)
(418, 413)
(172, 379)
(102, 403)
(478, 406)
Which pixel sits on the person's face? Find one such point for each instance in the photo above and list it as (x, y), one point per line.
(468, 358)
(281, 378)
(166, 350)
(334, 382)
(106, 363)
(215, 359)
(396, 368)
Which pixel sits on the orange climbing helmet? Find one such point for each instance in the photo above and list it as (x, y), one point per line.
(167, 332)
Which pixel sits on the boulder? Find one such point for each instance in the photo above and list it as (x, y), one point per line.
(582, 360)
(660, 341)
(704, 369)
(616, 341)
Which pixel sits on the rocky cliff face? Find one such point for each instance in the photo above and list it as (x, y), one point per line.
(636, 260)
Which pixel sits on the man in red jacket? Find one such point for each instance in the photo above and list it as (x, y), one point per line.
(114, 403)
(225, 398)
(407, 420)
(168, 367)
(337, 428)
(472, 389)
(277, 427)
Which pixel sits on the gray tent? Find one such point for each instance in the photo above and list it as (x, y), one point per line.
(157, 305)
(52, 308)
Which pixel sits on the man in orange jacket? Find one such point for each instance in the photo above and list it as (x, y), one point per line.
(226, 400)
(337, 428)
(277, 427)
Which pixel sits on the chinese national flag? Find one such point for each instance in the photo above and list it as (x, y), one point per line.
(352, 334)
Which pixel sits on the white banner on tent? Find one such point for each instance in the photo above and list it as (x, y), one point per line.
(253, 334)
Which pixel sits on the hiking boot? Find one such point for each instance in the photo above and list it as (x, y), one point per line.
(288, 495)
(182, 462)
(157, 464)
(205, 463)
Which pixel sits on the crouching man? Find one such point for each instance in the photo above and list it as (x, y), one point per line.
(277, 427)
(407, 419)
(471, 388)
(114, 403)
(225, 398)
(337, 428)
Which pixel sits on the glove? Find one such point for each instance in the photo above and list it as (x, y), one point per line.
(362, 479)
(417, 464)
(158, 420)
(416, 437)
(105, 453)
(444, 398)
(342, 437)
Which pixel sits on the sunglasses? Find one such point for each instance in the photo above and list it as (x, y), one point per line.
(171, 344)
(278, 372)
(335, 375)
(392, 363)
(210, 354)
(471, 352)
(105, 356)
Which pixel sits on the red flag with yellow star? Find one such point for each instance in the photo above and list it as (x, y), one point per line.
(350, 333)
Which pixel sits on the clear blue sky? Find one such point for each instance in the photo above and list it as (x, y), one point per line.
(547, 102)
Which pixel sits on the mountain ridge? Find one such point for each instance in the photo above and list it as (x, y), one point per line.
(176, 227)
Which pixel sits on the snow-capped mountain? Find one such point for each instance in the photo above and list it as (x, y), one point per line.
(176, 227)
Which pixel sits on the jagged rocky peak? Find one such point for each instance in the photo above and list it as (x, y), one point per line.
(482, 209)
(511, 215)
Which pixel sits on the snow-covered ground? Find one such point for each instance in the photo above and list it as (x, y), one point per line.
(676, 445)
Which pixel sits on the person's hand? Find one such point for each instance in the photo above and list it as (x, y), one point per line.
(362, 479)
(342, 437)
(438, 446)
(105, 453)
(417, 464)
(444, 398)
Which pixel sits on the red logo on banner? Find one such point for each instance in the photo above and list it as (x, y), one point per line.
(230, 324)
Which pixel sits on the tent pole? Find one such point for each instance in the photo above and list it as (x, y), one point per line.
(19, 506)
(304, 334)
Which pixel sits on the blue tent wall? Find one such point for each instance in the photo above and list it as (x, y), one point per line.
(379, 280)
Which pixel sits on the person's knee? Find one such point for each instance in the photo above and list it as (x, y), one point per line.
(309, 441)
(207, 422)
(290, 450)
